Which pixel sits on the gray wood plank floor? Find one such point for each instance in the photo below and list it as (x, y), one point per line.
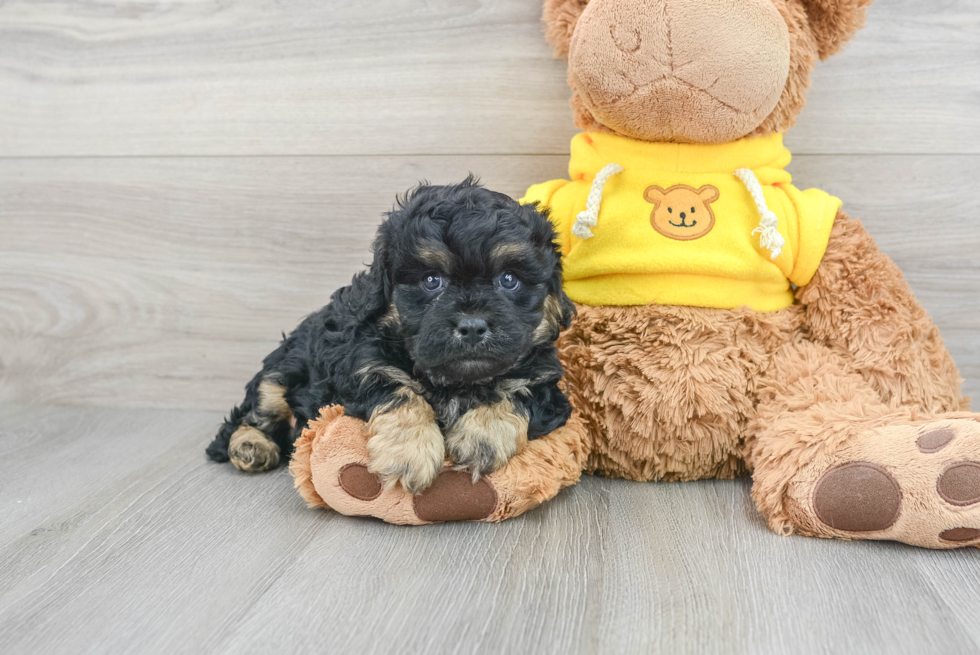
(180, 182)
(116, 536)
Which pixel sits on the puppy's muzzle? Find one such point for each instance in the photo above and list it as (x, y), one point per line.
(472, 330)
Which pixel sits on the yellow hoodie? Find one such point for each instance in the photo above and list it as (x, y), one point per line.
(679, 224)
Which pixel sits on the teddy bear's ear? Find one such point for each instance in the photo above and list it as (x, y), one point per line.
(833, 22)
(560, 17)
(654, 195)
(708, 194)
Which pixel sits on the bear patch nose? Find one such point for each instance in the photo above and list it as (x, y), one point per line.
(683, 215)
(472, 330)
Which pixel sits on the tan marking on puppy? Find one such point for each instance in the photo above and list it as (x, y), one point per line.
(252, 451)
(391, 319)
(405, 443)
(392, 373)
(484, 439)
(550, 320)
(514, 386)
(508, 252)
(436, 256)
(272, 400)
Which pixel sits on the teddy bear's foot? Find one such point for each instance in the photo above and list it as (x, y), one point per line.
(453, 496)
(330, 469)
(915, 484)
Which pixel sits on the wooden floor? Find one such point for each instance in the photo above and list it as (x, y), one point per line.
(182, 181)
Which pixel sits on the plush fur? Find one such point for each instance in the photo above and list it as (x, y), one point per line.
(451, 326)
(816, 28)
(844, 407)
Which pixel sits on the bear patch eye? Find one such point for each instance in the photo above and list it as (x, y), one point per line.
(670, 210)
(433, 283)
(692, 210)
(508, 282)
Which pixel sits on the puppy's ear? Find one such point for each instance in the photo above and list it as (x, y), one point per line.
(559, 310)
(374, 294)
(567, 310)
(561, 307)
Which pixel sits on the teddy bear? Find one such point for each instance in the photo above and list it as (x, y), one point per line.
(728, 322)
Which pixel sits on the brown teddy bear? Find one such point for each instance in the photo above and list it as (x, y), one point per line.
(728, 322)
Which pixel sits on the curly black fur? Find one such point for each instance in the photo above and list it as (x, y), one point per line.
(392, 328)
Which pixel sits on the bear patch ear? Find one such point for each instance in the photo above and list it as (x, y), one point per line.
(833, 22)
(654, 195)
(708, 194)
(560, 18)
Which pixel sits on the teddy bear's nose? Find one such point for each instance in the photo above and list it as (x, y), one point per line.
(683, 215)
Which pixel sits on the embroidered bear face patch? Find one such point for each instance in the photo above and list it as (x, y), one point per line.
(682, 212)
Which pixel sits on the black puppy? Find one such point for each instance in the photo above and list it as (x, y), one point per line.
(445, 344)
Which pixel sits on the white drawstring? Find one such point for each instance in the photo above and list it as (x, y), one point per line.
(768, 229)
(590, 217)
(771, 239)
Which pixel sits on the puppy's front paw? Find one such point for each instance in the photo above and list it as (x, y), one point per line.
(484, 439)
(406, 444)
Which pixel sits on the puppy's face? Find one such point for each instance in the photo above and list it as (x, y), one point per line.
(474, 281)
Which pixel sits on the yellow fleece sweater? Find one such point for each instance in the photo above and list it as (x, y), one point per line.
(676, 224)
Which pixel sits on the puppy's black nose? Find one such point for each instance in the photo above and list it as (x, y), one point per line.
(472, 330)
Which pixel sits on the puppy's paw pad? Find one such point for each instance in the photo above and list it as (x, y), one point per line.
(251, 451)
(858, 497)
(359, 482)
(455, 497)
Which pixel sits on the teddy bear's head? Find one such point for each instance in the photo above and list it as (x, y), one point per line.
(695, 71)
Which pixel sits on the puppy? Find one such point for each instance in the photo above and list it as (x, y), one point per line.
(445, 344)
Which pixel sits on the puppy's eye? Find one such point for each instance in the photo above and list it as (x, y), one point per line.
(432, 283)
(509, 282)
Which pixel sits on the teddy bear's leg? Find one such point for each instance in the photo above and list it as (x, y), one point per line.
(858, 302)
(329, 467)
(830, 459)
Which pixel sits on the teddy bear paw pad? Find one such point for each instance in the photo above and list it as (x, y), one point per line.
(960, 484)
(455, 497)
(858, 497)
(934, 440)
(360, 483)
(916, 484)
(960, 534)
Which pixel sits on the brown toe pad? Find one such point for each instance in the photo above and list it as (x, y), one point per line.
(960, 484)
(857, 497)
(360, 483)
(960, 534)
(454, 497)
(935, 440)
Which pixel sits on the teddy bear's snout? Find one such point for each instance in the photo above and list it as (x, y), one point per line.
(702, 71)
